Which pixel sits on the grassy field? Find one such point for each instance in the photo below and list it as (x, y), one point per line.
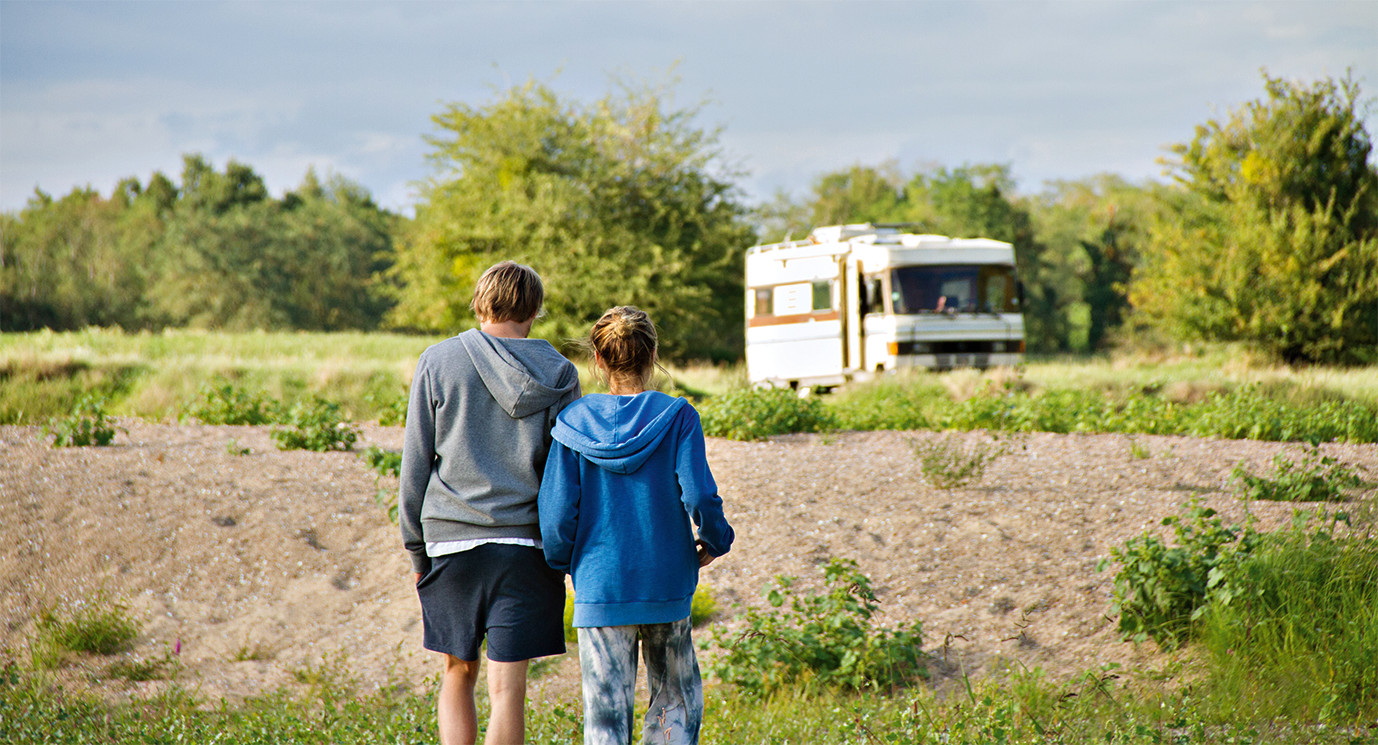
(157, 375)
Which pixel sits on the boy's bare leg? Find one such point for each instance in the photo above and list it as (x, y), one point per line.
(455, 708)
(507, 693)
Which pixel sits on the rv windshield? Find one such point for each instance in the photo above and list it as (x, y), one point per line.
(986, 288)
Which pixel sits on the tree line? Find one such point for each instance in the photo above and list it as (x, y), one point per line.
(1267, 233)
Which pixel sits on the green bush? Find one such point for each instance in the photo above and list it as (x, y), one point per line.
(96, 628)
(1245, 413)
(759, 413)
(830, 640)
(1161, 590)
(315, 424)
(221, 402)
(86, 424)
(1317, 478)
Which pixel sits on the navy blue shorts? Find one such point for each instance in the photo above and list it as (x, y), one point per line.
(503, 592)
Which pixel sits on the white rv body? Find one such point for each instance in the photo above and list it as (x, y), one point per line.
(852, 301)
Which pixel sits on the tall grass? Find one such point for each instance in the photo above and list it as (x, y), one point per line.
(1302, 642)
(159, 376)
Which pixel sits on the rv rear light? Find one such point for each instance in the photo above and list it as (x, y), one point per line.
(1021, 346)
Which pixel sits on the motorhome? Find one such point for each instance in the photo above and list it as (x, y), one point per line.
(853, 301)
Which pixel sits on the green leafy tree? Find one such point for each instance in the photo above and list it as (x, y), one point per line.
(235, 259)
(1273, 237)
(622, 201)
(1095, 227)
(858, 194)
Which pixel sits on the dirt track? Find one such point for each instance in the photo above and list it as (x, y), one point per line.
(260, 564)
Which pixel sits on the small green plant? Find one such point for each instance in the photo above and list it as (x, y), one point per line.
(315, 424)
(1138, 450)
(947, 464)
(385, 462)
(222, 402)
(1317, 478)
(1161, 590)
(703, 606)
(234, 448)
(759, 413)
(828, 639)
(386, 499)
(86, 424)
(99, 627)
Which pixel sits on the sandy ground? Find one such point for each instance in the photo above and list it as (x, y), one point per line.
(258, 567)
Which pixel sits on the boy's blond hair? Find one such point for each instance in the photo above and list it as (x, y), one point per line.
(508, 291)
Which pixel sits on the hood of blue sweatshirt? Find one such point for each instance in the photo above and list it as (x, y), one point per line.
(617, 433)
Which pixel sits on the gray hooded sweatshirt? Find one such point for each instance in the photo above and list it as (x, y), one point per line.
(478, 431)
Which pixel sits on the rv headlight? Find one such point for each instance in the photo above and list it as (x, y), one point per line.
(923, 347)
(997, 346)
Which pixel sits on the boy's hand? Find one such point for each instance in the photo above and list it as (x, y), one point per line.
(705, 558)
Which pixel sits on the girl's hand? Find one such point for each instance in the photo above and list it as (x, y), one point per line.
(705, 558)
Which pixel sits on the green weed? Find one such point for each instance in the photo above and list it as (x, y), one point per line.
(828, 639)
(221, 402)
(1316, 478)
(385, 462)
(99, 627)
(1297, 640)
(234, 448)
(86, 424)
(315, 424)
(948, 464)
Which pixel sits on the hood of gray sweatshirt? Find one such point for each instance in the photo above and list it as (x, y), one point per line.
(478, 431)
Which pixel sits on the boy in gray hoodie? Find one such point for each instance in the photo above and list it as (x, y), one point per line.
(478, 432)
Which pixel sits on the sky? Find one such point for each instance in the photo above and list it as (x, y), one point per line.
(95, 91)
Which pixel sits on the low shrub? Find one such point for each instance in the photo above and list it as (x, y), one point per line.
(315, 424)
(829, 640)
(759, 413)
(1160, 590)
(86, 424)
(222, 402)
(1316, 478)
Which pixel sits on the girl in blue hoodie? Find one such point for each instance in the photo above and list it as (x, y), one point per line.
(625, 484)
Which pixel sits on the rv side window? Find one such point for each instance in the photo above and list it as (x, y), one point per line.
(823, 295)
(763, 301)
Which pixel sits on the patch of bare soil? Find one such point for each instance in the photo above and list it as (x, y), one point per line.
(259, 566)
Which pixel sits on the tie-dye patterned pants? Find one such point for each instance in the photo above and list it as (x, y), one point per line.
(607, 658)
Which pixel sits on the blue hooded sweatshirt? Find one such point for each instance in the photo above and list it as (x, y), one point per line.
(625, 478)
